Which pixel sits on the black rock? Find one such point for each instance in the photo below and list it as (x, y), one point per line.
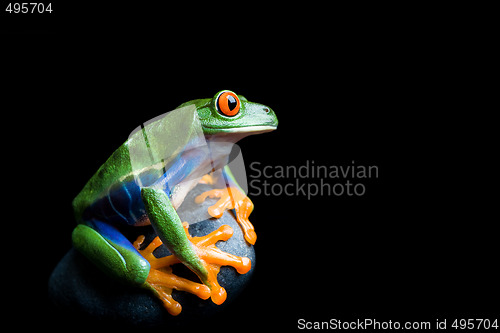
(80, 288)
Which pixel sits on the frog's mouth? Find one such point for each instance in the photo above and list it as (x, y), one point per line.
(250, 129)
(246, 130)
(236, 133)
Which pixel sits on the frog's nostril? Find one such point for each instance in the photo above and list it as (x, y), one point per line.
(266, 110)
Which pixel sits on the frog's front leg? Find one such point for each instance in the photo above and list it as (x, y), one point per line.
(209, 254)
(199, 254)
(168, 227)
(161, 280)
(231, 197)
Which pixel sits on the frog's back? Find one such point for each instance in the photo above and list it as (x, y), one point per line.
(115, 177)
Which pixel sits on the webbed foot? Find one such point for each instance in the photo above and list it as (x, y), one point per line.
(214, 258)
(232, 198)
(208, 179)
(162, 281)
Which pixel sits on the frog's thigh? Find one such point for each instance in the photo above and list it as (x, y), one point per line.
(109, 250)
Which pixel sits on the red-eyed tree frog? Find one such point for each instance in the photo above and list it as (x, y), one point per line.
(112, 200)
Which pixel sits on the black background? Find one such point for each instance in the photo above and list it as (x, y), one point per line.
(419, 245)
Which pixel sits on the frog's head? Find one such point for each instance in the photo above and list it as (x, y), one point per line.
(229, 114)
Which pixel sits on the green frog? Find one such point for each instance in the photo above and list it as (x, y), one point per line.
(113, 199)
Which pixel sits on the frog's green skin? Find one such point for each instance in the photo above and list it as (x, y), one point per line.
(104, 245)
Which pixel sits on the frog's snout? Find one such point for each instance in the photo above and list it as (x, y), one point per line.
(271, 119)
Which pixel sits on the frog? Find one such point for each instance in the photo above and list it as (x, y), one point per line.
(112, 200)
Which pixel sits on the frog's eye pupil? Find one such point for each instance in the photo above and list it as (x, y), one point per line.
(231, 102)
(228, 103)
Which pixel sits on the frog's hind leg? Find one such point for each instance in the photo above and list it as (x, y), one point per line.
(109, 250)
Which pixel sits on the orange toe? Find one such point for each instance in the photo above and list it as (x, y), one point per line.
(232, 198)
(162, 281)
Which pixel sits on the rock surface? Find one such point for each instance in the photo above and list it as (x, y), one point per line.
(79, 287)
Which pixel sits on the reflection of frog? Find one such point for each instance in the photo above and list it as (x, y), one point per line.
(111, 196)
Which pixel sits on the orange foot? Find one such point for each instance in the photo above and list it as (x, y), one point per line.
(162, 281)
(208, 179)
(232, 198)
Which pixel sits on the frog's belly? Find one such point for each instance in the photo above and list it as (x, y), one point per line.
(123, 204)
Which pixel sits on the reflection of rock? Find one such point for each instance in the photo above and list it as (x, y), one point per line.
(80, 286)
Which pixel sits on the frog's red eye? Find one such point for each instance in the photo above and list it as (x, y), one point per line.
(228, 103)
